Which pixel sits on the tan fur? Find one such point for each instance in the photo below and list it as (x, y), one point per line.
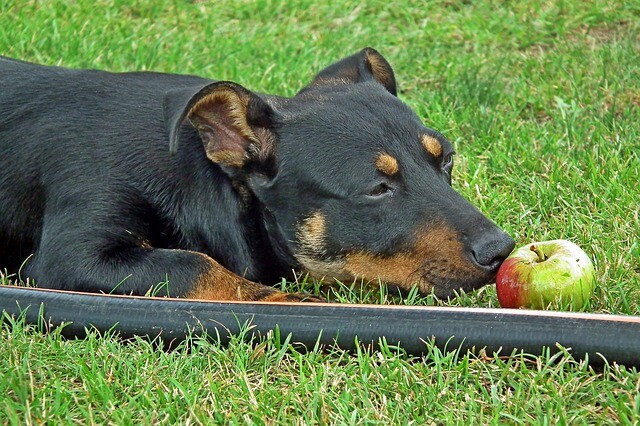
(432, 145)
(437, 254)
(378, 68)
(227, 157)
(234, 106)
(266, 148)
(311, 237)
(217, 283)
(314, 228)
(220, 117)
(436, 258)
(387, 164)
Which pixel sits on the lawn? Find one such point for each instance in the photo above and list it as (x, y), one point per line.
(542, 102)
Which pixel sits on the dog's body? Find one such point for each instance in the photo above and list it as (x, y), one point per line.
(341, 181)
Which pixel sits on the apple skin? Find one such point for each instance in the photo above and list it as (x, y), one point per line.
(539, 273)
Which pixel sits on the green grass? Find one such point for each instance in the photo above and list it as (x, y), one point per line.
(100, 380)
(541, 99)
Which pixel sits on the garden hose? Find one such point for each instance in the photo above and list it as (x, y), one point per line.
(596, 338)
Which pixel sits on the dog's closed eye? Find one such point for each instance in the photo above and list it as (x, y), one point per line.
(380, 190)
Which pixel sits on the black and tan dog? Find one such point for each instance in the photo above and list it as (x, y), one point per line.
(117, 182)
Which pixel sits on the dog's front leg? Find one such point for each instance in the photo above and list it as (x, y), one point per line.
(218, 283)
(148, 271)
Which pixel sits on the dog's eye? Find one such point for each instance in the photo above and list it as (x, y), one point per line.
(447, 163)
(380, 190)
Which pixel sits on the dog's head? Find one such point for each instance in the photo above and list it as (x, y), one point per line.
(350, 182)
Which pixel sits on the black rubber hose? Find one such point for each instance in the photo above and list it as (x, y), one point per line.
(613, 337)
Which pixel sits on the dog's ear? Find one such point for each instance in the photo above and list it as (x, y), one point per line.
(365, 65)
(233, 123)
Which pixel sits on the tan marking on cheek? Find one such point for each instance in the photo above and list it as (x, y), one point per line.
(394, 269)
(387, 164)
(432, 145)
(311, 236)
(312, 232)
(438, 250)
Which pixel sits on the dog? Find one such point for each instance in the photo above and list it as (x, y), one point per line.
(116, 182)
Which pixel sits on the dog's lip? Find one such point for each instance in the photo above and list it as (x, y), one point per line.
(444, 284)
(442, 287)
(428, 277)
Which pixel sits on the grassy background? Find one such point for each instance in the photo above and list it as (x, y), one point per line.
(542, 100)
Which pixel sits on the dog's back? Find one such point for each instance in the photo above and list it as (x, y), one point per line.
(68, 135)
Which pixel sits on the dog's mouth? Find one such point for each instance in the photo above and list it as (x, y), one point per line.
(439, 283)
(439, 276)
(437, 262)
(445, 284)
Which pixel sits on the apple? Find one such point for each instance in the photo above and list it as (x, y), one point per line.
(539, 273)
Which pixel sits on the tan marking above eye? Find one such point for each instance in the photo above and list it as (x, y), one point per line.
(387, 164)
(432, 145)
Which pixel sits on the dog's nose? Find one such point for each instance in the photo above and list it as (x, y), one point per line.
(491, 250)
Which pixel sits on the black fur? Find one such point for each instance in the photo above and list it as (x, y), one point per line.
(91, 196)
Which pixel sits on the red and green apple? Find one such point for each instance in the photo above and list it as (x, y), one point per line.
(537, 274)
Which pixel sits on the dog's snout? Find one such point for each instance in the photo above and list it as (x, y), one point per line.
(491, 250)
